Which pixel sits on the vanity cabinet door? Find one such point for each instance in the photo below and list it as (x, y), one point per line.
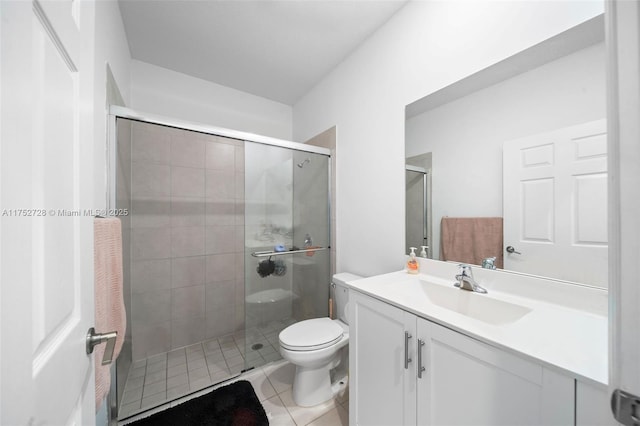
(381, 389)
(592, 405)
(469, 382)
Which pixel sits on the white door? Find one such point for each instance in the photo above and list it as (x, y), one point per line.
(47, 183)
(555, 203)
(623, 93)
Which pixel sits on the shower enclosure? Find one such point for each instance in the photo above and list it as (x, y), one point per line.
(418, 209)
(225, 244)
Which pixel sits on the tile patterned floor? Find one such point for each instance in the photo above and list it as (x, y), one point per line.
(164, 377)
(272, 384)
(273, 387)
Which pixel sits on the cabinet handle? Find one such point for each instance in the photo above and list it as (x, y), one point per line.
(420, 366)
(407, 360)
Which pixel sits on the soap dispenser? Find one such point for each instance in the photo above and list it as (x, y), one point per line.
(423, 253)
(413, 267)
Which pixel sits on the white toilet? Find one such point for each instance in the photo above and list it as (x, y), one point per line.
(314, 347)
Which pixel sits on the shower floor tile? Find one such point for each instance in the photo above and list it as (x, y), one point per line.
(164, 377)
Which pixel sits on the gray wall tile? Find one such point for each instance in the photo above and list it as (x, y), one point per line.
(147, 275)
(187, 241)
(187, 302)
(187, 182)
(150, 180)
(220, 156)
(188, 150)
(150, 243)
(187, 271)
(187, 212)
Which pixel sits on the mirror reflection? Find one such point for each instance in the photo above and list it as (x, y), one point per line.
(522, 142)
(418, 204)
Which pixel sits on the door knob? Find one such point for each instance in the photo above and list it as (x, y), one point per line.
(94, 339)
(510, 249)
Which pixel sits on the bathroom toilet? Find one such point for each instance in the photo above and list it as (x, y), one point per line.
(315, 347)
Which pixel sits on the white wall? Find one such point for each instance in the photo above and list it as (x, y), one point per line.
(424, 47)
(112, 48)
(466, 136)
(172, 94)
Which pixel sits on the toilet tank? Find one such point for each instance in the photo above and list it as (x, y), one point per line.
(341, 298)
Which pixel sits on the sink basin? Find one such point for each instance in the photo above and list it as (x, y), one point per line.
(478, 306)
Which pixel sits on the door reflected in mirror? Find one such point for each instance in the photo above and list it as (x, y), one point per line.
(552, 192)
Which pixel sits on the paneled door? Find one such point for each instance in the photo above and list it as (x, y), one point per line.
(47, 224)
(623, 110)
(464, 381)
(555, 204)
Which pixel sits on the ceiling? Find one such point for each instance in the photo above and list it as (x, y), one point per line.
(277, 50)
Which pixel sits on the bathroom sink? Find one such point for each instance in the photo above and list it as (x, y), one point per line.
(478, 306)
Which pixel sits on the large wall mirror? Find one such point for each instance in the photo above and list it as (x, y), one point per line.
(525, 141)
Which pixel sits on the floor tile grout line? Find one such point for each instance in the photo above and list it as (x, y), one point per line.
(239, 348)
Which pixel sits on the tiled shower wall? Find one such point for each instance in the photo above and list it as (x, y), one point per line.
(187, 232)
(327, 139)
(311, 216)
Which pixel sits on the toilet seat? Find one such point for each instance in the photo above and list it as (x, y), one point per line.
(310, 335)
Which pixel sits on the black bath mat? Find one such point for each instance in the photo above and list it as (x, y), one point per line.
(232, 405)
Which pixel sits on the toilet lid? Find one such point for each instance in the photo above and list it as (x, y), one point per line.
(312, 334)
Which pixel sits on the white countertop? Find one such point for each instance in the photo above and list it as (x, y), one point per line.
(572, 337)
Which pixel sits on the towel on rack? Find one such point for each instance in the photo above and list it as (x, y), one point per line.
(471, 239)
(110, 313)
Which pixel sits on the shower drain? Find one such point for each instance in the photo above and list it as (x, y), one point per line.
(257, 346)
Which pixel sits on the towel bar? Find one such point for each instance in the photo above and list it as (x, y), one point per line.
(281, 253)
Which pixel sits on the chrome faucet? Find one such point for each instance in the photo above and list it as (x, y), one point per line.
(466, 281)
(489, 262)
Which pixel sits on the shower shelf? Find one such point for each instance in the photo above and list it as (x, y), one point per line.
(281, 253)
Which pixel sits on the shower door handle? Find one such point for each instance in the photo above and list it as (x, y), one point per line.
(94, 339)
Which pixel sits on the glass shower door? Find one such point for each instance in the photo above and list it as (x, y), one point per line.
(287, 256)
(417, 209)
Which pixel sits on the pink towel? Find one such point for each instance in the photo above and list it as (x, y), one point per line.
(471, 239)
(109, 302)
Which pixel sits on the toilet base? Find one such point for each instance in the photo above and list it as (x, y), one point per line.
(312, 383)
(313, 386)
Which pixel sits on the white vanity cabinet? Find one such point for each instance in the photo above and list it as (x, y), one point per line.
(381, 389)
(592, 405)
(464, 381)
(468, 382)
